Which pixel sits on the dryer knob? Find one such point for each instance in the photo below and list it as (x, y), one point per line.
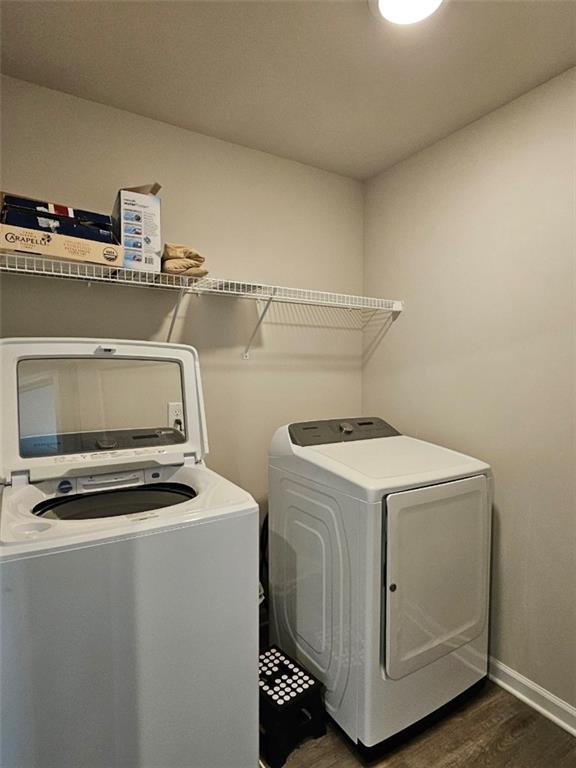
(346, 428)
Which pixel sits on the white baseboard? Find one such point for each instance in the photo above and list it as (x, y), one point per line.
(557, 710)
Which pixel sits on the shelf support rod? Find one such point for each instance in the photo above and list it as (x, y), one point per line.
(366, 323)
(181, 293)
(246, 353)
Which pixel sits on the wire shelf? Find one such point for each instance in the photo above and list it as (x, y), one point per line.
(29, 264)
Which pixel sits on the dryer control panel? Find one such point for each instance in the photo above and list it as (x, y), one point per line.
(340, 430)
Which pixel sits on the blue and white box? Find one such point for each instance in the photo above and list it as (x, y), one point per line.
(132, 229)
(136, 218)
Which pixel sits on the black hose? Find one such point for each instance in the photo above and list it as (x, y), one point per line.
(264, 555)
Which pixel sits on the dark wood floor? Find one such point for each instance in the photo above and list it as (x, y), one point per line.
(494, 730)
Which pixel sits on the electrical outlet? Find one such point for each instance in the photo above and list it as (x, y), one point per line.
(176, 416)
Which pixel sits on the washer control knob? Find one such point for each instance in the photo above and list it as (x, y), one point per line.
(346, 428)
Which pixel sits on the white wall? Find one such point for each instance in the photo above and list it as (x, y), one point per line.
(254, 217)
(478, 235)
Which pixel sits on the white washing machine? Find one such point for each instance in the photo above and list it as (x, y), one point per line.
(379, 570)
(128, 569)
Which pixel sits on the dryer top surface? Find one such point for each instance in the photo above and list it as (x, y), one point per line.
(385, 458)
(370, 469)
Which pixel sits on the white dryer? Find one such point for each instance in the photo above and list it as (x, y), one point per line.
(128, 569)
(379, 570)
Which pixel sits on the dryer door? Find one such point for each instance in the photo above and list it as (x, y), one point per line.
(437, 572)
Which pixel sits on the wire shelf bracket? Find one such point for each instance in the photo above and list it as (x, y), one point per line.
(246, 353)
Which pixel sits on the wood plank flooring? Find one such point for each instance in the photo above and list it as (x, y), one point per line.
(493, 730)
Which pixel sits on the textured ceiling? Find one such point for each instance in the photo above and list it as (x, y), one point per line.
(325, 82)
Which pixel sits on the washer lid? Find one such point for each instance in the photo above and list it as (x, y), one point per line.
(85, 406)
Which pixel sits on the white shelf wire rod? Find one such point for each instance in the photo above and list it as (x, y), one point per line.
(27, 264)
(292, 295)
(30, 264)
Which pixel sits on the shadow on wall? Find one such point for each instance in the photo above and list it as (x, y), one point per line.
(34, 306)
(216, 322)
(297, 333)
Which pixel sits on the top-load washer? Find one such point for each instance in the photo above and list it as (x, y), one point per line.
(128, 568)
(379, 569)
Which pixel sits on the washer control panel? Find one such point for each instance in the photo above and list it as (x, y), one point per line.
(339, 430)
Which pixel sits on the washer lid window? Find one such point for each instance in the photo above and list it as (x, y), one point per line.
(72, 406)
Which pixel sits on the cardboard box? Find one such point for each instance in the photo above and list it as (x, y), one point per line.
(62, 212)
(34, 241)
(56, 225)
(136, 224)
(56, 231)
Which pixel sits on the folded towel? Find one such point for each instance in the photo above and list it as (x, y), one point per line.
(175, 266)
(172, 251)
(182, 260)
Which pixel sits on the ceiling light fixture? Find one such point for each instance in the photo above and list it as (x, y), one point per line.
(405, 11)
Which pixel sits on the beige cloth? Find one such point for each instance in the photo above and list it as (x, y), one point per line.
(183, 267)
(182, 260)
